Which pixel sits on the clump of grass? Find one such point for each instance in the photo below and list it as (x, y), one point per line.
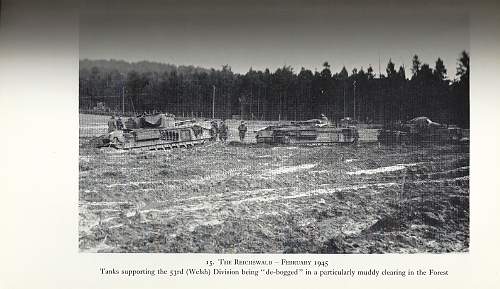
(84, 167)
(166, 166)
(112, 174)
(180, 172)
(166, 173)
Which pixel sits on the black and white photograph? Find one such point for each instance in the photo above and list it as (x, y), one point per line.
(288, 127)
(249, 144)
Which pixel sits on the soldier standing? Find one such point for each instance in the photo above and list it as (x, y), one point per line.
(242, 130)
(214, 131)
(119, 123)
(223, 132)
(112, 124)
(325, 119)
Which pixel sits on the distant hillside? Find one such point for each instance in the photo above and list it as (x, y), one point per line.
(141, 66)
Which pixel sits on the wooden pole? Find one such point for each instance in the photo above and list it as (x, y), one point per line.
(213, 102)
(354, 100)
(123, 100)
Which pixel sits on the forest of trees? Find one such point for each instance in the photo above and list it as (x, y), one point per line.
(283, 94)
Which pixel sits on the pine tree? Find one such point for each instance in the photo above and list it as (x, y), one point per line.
(391, 71)
(439, 70)
(415, 65)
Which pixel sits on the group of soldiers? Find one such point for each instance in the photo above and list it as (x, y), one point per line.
(221, 130)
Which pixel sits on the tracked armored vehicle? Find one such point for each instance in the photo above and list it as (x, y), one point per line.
(310, 132)
(156, 132)
(421, 130)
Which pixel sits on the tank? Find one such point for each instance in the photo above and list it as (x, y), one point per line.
(421, 130)
(310, 132)
(156, 132)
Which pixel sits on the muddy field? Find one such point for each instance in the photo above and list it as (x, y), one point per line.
(220, 198)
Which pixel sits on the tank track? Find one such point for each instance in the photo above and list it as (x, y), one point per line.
(158, 146)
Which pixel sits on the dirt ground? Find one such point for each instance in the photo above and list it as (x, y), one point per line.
(221, 198)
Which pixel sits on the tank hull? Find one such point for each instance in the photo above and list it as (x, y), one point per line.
(172, 135)
(306, 135)
(422, 130)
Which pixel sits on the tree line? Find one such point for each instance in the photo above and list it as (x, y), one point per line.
(280, 95)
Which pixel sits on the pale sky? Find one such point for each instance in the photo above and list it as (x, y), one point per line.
(270, 34)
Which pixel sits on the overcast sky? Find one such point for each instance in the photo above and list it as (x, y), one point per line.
(270, 34)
